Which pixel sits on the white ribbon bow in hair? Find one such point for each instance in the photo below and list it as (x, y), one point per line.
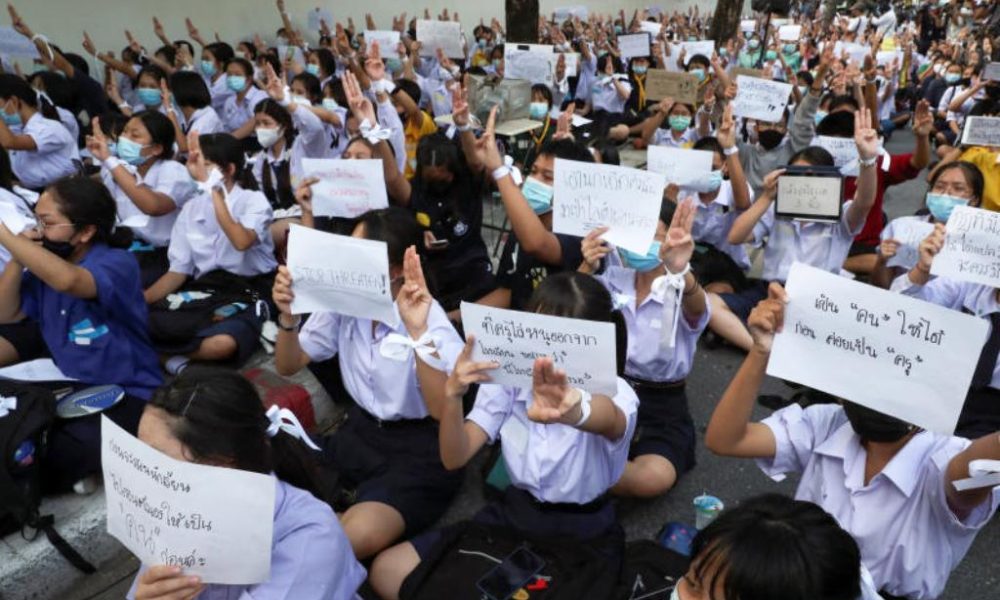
(398, 347)
(671, 286)
(373, 133)
(285, 420)
(515, 173)
(7, 405)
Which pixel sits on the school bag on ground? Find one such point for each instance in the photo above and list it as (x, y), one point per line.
(277, 390)
(199, 304)
(650, 571)
(26, 414)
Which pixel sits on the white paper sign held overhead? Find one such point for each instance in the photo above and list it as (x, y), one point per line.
(346, 188)
(761, 99)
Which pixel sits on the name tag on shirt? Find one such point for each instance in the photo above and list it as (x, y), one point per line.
(656, 324)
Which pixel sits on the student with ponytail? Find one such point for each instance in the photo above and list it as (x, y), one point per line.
(214, 417)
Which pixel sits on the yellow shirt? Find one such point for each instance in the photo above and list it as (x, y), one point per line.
(986, 160)
(413, 135)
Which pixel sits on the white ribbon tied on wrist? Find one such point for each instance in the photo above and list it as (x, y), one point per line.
(373, 133)
(515, 173)
(671, 286)
(982, 473)
(399, 348)
(7, 405)
(285, 420)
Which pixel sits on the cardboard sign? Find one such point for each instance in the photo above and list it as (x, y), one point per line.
(971, 247)
(634, 45)
(346, 188)
(901, 356)
(761, 99)
(680, 166)
(446, 35)
(758, 73)
(682, 87)
(981, 131)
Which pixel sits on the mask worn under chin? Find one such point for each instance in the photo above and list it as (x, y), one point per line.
(874, 426)
(770, 138)
(61, 249)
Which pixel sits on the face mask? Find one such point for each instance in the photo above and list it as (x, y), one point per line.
(130, 151)
(481, 43)
(268, 136)
(149, 96)
(538, 195)
(802, 90)
(642, 262)
(676, 594)
(113, 148)
(723, 52)
(753, 44)
(246, 56)
(237, 83)
(939, 68)
(699, 73)
(393, 64)
(538, 110)
(952, 78)
(820, 115)
(299, 99)
(640, 69)
(618, 30)
(709, 184)
(61, 249)
(12, 120)
(771, 55)
(330, 104)
(312, 69)
(692, 38)
(770, 139)
(789, 48)
(208, 68)
(941, 205)
(874, 426)
(679, 122)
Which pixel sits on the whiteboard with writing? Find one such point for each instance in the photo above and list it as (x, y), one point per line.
(971, 247)
(13, 43)
(981, 131)
(992, 72)
(532, 62)
(809, 198)
(170, 512)
(346, 188)
(681, 166)
(589, 195)
(790, 33)
(901, 356)
(632, 45)
(341, 274)
(387, 40)
(908, 232)
(586, 350)
(760, 99)
(446, 35)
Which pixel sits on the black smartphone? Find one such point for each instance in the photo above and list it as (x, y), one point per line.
(512, 574)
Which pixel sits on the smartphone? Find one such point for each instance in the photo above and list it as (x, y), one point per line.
(504, 580)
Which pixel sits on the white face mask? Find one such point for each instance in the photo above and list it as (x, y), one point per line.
(268, 136)
(676, 594)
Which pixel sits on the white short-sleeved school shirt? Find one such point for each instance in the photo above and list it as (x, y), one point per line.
(554, 463)
(821, 245)
(199, 245)
(714, 219)
(665, 137)
(56, 155)
(205, 121)
(235, 112)
(167, 177)
(910, 540)
(220, 92)
(604, 95)
(69, 122)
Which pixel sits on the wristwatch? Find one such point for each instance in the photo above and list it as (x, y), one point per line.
(293, 327)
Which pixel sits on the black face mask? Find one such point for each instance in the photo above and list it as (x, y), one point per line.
(993, 92)
(61, 249)
(439, 187)
(770, 138)
(874, 426)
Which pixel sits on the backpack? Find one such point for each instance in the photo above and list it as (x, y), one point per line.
(30, 411)
(277, 390)
(211, 298)
(650, 571)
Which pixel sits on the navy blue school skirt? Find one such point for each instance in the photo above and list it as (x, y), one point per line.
(663, 425)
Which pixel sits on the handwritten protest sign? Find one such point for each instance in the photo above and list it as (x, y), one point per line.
(703, 47)
(808, 197)
(682, 87)
(339, 273)
(885, 57)
(681, 166)
(856, 52)
(992, 72)
(898, 355)
(748, 25)
(790, 33)
(387, 40)
(588, 196)
(843, 150)
(981, 131)
(446, 35)
(13, 43)
(909, 232)
(572, 60)
(759, 73)
(532, 62)
(346, 188)
(971, 247)
(760, 99)
(584, 349)
(170, 512)
(633, 45)
(568, 12)
(651, 27)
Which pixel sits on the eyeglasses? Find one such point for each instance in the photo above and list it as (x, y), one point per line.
(40, 227)
(956, 189)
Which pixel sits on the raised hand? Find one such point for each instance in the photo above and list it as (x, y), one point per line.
(467, 372)
(158, 29)
(374, 66)
(930, 246)
(923, 119)
(768, 318)
(414, 300)
(888, 248)
(553, 400)
(865, 137)
(564, 125)
(486, 145)
(88, 45)
(132, 42)
(196, 164)
(274, 86)
(726, 134)
(281, 291)
(360, 106)
(460, 105)
(97, 143)
(770, 183)
(594, 249)
(18, 23)
(678, 246)
(303, 193)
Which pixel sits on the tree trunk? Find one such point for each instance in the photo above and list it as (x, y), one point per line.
(522, 21)
(726, 21)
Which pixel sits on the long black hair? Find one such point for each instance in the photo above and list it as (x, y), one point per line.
(223, 149)
(12, 86)
(279, 193)
(218, 416)
(85, 201)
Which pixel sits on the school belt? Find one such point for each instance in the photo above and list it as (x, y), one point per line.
(394, 424)
(595, 505)
(644, 384)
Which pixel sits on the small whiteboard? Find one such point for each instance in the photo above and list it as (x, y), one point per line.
(810, 197)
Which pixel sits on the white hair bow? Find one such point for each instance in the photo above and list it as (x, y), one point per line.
(7, 405)
(374, 133)
(285, 420)
(671, 286)
(399, 348)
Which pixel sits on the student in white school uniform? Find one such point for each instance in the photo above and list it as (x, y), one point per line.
(387, 451)
(148, 92)
(822, 245)
(149, 187)
(41, 149)
(190, 94)
(679, 132)
(220, 241)
(237, 111)
(888, 483)
(563, 447)
(650, 290)
(609, 93)
(214, 58)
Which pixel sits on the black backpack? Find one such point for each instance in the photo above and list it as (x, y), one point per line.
(23, 432)
(226, 291)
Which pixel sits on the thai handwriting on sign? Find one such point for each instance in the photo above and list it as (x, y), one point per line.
(981, 131)
(972, 247)
(682, 87)
(513, 330)
(761, 99)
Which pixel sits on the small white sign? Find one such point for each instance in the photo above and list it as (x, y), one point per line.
(387, 40)
(446, 35)
(634, 45)
(680, 166)
(971, 247)
(761, 99)
(790, 33)
(346, 188)
(981, 131)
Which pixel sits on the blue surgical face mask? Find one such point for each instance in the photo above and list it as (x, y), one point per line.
(952, 78)
(330, 104)
(497, 62)
(820, 115)
(149, 96)
(130, 151)
(789, 48)
(642, 262)
(708, 184)
(393, 64)
(237, 83)
(723, 52)
(619, 30)
(312, 69)
(692, 38)
(538, 195)
(208, 68)
(753, 44)
(640, 69)
(679, 122)
(12, 119)
(538, 110)
(941, 205)
(699, 73)
(770, 55)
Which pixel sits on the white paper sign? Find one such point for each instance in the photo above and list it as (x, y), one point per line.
(588, 196)
(568, 12)
(856, 52)
(531, 62)
(992, 72)
(572, 60)
(346, 188)
(901, 356)
(703, 47)
(971, 247)
(909, 232)
(446, 35)
(885, 57)
(315, 18)
(167, 511)
(651, 28)
(844, 150)
(584, 349)
(981, 131)
(760, 99)
(339, 273)
(40, 369)
(748, 25)
(634, 45)
(387, 40)
(681, 166)
(807, 197)
(790, 33)
(14, 44)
